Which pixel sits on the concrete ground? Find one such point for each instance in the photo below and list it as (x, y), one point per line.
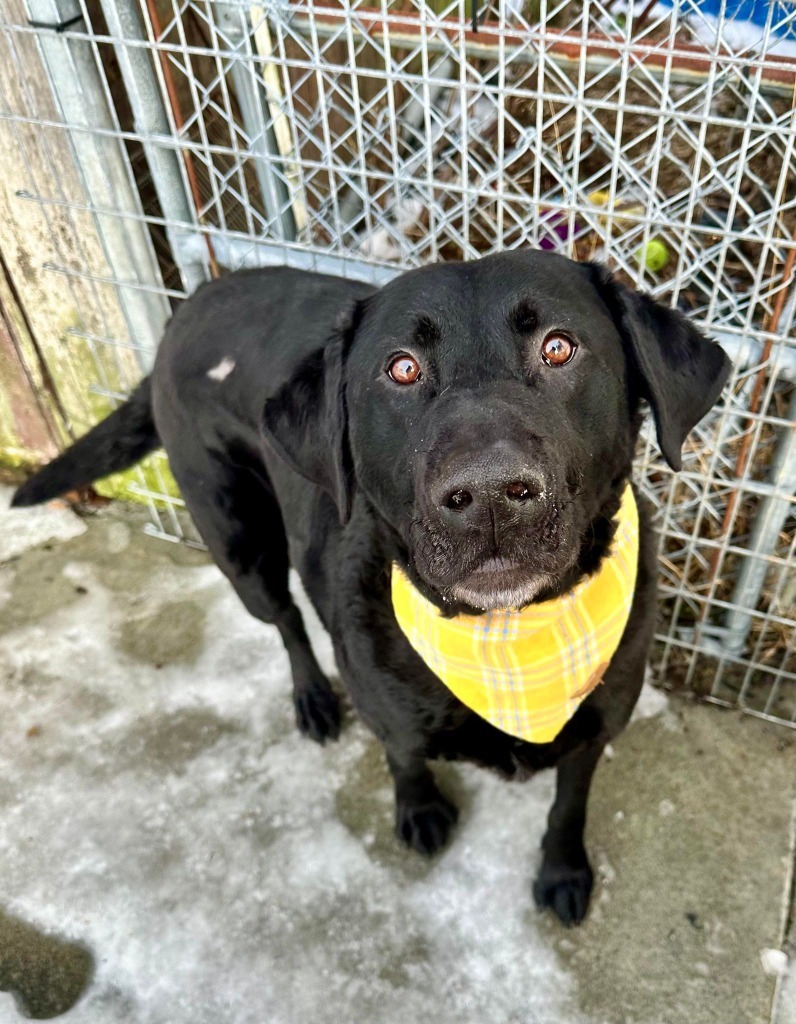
(174, 852)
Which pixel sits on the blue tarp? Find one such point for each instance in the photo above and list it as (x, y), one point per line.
(753, 12)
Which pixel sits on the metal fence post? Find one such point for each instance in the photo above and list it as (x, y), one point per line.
(258, 124)
(105, 171)
(124, 23)
(770, 519)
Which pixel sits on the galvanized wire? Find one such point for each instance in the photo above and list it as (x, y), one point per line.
(363, 139)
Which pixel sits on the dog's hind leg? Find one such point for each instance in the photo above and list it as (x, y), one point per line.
(238, 517)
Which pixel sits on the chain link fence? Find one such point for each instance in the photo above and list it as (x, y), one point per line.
(364, 138)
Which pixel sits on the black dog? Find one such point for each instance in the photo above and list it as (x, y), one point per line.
(473, 423)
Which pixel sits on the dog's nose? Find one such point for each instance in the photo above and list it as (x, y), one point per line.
(507, 486)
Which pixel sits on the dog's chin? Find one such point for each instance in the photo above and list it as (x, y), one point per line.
(492, 590)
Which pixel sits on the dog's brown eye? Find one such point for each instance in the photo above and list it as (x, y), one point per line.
(404, 369)
(557, 349)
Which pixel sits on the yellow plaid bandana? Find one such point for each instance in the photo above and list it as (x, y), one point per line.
(527, 671)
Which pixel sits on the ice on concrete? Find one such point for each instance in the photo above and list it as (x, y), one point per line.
(158, 807)
(785, 1012)
(175, 822)
(20, 531)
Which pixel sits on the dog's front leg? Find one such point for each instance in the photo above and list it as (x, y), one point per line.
(565, 879)
(423, 816)
(397, 696)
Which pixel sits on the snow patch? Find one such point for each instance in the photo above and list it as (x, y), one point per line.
(175, 822)
(786, 1001)
(118, 536)
(653, 703)
(22, 529)
(774, 961)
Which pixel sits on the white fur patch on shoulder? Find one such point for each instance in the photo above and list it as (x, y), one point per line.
(223, 370)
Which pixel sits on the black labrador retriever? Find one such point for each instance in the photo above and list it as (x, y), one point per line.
(473, 424)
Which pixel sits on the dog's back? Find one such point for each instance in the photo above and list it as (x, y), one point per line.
(242, 331)
(223, 352)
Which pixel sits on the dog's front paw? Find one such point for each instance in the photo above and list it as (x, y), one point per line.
(426, 826)
(318, 713)
(565, 890)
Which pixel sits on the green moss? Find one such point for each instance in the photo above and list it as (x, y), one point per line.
(76, 364)
(153, 474)
(17, 461)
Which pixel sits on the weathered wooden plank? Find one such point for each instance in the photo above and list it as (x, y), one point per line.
(28, 432)
(77, 323)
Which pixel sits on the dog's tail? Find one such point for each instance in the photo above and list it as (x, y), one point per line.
(121, 440)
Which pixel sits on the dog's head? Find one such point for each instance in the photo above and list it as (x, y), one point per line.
(488, 412)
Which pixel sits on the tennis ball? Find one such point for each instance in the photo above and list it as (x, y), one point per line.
(654, 255)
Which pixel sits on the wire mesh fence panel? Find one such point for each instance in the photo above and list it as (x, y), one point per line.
(365, 138)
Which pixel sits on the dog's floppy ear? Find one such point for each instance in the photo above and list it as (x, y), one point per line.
(678, 371)
(306, 421)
